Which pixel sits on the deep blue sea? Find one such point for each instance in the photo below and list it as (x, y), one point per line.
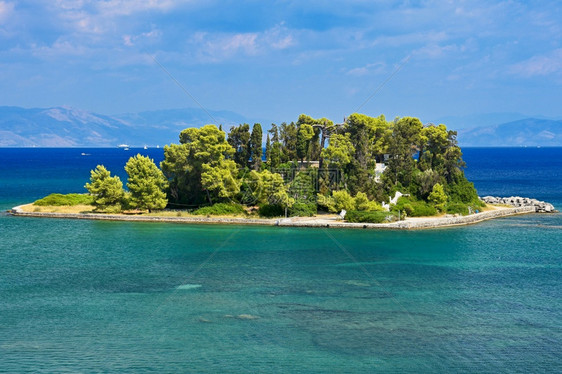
(91, 296)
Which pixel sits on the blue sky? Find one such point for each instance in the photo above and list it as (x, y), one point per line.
(277, 59)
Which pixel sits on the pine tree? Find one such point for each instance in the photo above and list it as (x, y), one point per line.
(256, 146)
(107, 190)
(146, 184)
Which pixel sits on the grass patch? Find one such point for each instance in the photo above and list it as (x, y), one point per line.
(71, 199)
(31, 208)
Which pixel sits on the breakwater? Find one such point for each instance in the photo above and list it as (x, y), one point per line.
(517, 201)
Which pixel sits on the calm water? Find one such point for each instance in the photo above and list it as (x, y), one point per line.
(85, 296)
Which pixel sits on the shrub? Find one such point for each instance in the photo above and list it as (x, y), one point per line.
(271, 210)
(326, 203)
(302, 210)
(414, 208)
(343, 200)
(457, 208)
(370, 217)
(422, 209)
(438, 197)
(220, 209)
(362, 202)
(71, 199)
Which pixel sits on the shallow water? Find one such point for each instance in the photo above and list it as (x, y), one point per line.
(83, 296)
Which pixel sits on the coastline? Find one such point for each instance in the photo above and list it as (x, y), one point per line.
(410, 223)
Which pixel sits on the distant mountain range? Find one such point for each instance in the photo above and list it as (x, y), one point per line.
(524, 132)
(68, 127)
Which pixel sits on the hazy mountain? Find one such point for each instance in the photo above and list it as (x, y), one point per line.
(525, 132)
(479, 120)
(68, 127)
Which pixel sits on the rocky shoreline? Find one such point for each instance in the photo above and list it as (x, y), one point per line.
(517, 201)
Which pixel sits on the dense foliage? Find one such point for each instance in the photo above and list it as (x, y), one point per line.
(370, 217)
(221, 209)
(308, 165)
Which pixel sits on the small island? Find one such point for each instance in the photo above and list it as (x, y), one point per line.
(364, 172)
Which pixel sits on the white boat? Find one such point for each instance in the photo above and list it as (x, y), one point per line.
(145, 147)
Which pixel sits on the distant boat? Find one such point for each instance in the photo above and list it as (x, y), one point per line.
(145, 147)
(84, 154)
(157, 146)
(126, 148)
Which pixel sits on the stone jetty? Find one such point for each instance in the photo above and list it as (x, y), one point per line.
(516, 201)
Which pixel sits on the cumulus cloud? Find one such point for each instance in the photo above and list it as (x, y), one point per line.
(541, 65)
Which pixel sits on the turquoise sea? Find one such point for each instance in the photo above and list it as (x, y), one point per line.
(89, 296)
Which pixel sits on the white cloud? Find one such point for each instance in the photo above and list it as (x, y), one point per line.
(127, 7)
(97, 17)
(217, 47)
(60, 47)
(541, 65)
(278, 37)
(131, 40)
(375, 68)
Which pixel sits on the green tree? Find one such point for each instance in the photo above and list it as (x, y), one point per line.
(305, 133)
(256, 146)
(183, 163)
(288, 137)
(434, 141)
(268, 150)
(406, 134)
(438, 197)
(326, 128)
(275, 156)
(339, 152)
(220, 179)
(239, 139)
(370, 137)
(425, 181)
(106, 190)
(146, 183)
(313, 148)
(269, 188)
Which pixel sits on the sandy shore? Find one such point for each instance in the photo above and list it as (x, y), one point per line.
(318, 221)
